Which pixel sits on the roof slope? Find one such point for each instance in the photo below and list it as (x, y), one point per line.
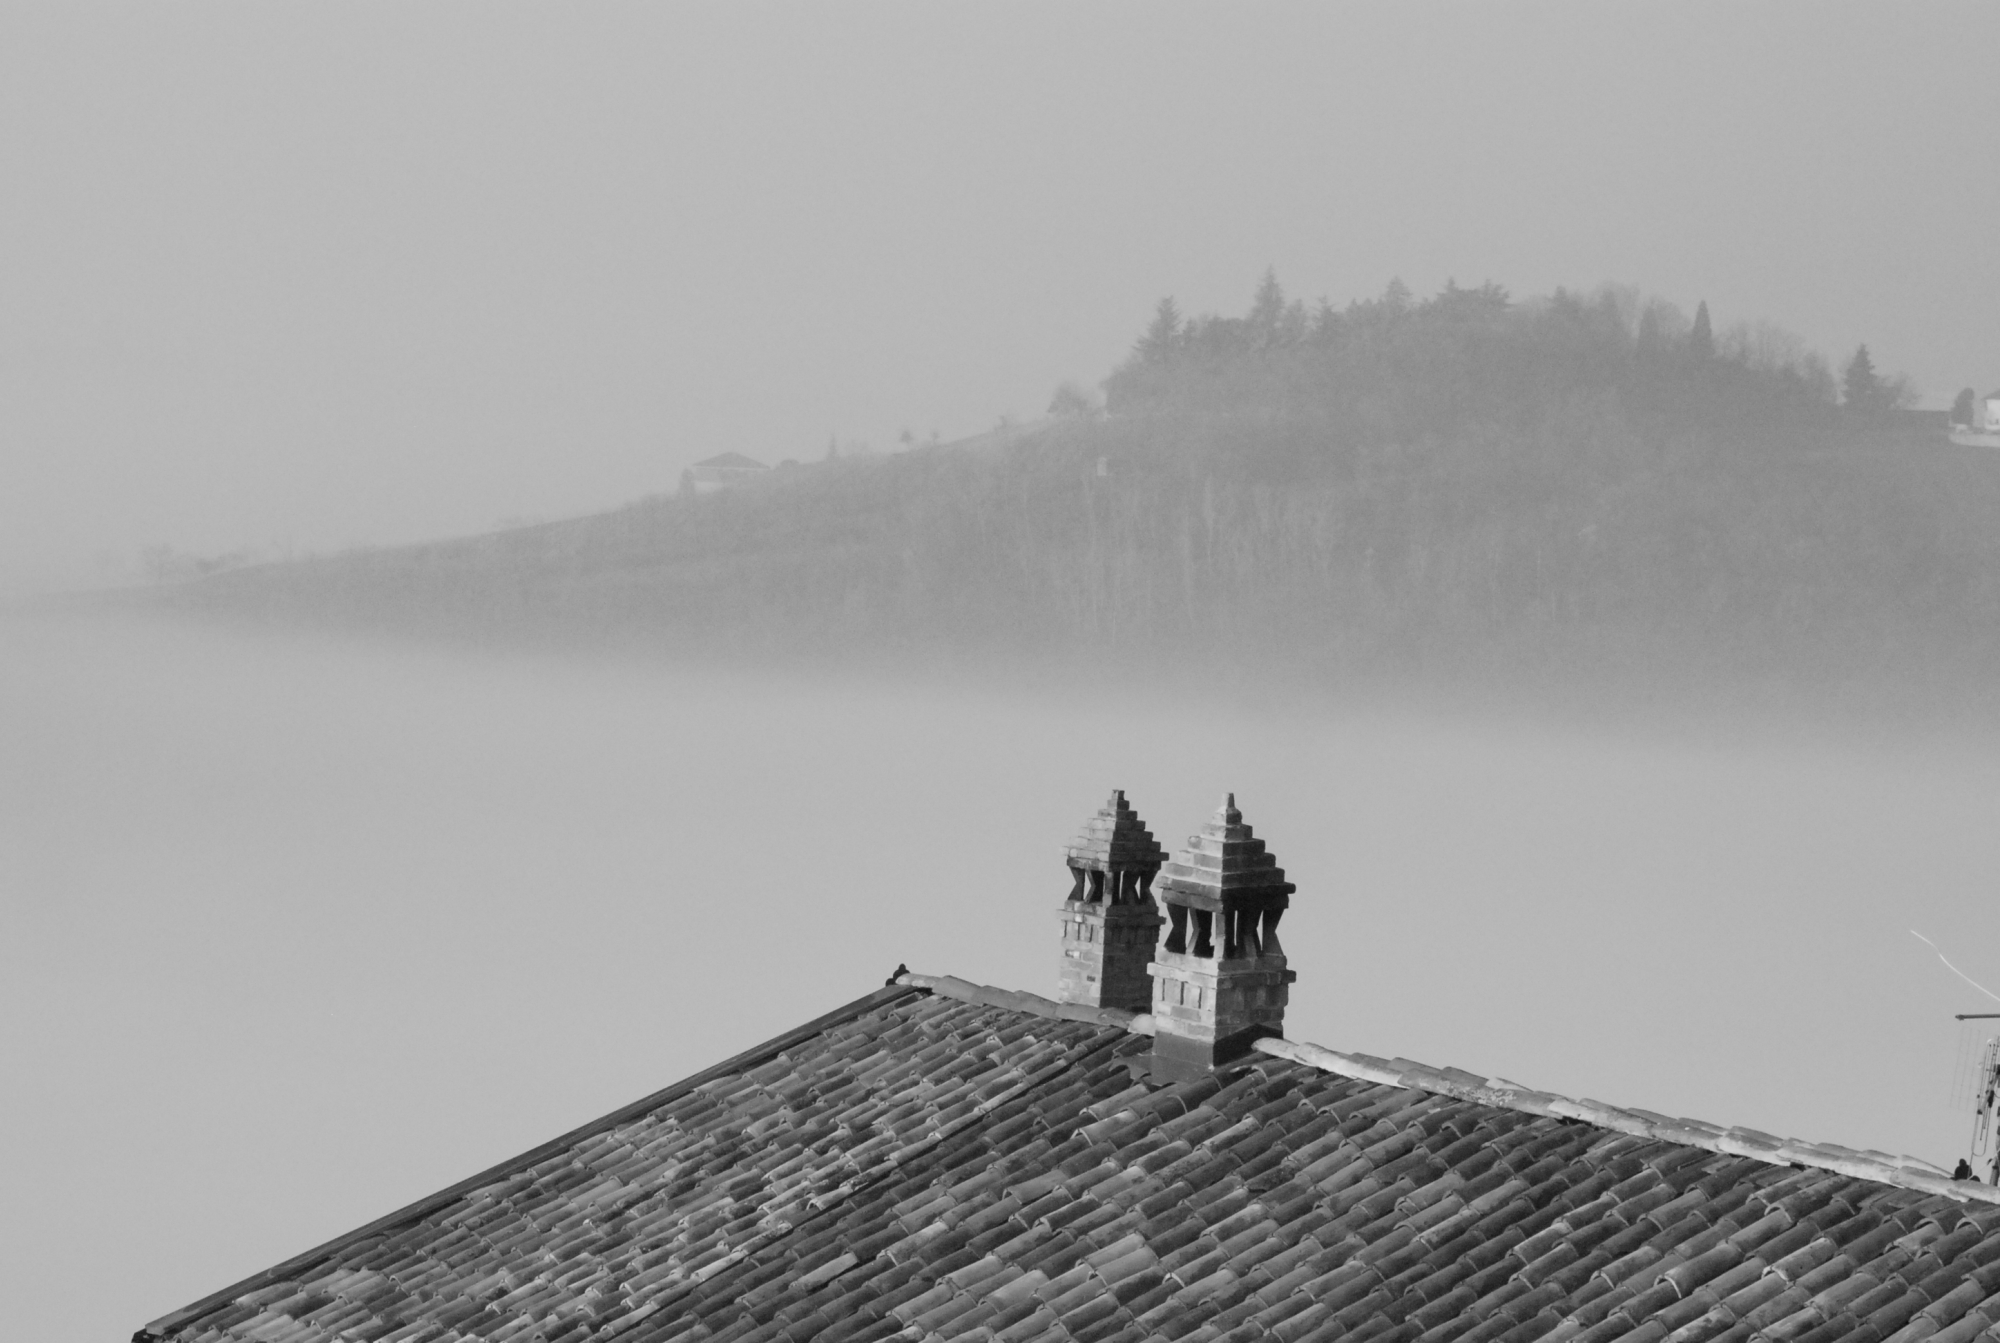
(923, 1166)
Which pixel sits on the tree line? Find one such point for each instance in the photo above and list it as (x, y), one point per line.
(1478, 351)
(1574, 491)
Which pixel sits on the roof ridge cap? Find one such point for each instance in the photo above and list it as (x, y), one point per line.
(1018, 1000)
(1906, 1172)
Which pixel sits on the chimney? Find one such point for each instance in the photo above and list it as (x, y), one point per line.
(1110, 923)
(1220, 981)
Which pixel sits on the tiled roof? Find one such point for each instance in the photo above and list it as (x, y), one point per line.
(944, 1160)
(731, 461)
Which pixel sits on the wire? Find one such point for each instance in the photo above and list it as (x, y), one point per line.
(1954, 969)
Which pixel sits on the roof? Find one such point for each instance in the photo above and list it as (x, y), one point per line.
(939, 1159)
(730, 461)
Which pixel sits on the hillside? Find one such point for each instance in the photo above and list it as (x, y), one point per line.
(1568, 492)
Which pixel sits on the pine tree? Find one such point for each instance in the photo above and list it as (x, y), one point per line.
(1651, 336)
(1702, 339)
(1861, 387)
(1962, 408)
(1267, 310)
(1326, 321)
(1163, 336)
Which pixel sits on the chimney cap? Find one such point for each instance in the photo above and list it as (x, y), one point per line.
(1115, 837)
(1225, 864)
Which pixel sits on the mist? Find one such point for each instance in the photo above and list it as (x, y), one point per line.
(400, 764)
(283, 281)
(302, 928)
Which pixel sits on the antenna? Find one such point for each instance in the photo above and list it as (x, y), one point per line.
(1985, 1155)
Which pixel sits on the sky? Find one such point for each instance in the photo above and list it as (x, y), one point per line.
(290, 279)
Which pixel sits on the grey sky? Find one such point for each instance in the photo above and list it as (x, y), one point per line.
(313, 276)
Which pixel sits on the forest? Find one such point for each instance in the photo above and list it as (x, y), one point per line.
(1573, 494)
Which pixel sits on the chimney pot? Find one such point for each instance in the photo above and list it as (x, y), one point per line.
(1221, 979)
(1111, 925)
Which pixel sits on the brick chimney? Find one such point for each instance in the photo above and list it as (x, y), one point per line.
(1220, 981)
(1110, 923)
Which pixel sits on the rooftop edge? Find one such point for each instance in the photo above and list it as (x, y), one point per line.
(1906, 1172)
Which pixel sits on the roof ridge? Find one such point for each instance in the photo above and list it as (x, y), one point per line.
(1905, 1172)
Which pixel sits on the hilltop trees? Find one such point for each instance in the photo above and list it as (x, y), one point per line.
(1866, 392)
(1470, 485)
(1702, 339)
(1860, 386)
(1397, 365)
(1273, 321)
(1072, 402)
(1162, 336)
(1651, 337)
(1267, 309)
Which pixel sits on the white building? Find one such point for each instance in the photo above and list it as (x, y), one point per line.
(712, 473)
(1984, 431)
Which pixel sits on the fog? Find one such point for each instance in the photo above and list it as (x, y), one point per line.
(287, 279)
(300, 926)
(298, 930)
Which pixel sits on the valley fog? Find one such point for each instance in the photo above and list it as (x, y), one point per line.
(298, 930)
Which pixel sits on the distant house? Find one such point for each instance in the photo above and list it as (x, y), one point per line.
(712, 473)
(1984, 431)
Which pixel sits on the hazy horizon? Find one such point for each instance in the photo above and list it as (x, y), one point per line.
(292, 280)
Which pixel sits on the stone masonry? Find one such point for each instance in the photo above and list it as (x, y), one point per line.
(1220, 981)
(1111, 925)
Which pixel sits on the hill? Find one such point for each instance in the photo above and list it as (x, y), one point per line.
(1575, 492)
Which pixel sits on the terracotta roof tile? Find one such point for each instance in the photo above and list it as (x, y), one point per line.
(971, 1163)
